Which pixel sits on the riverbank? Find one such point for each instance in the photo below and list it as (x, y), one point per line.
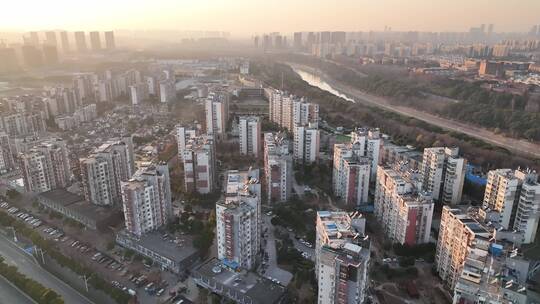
(521, 147)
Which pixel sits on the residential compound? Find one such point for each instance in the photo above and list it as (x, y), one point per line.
(401, 206)
(250, 135)
(444, 174)
(512, 202)
(217, 113)
(46, 166)
(301, 118)
(289, 111)
(105, 168)
(199, 161)
(146, 199)
(238, 220)
(22, 123)
(278, 167)
(342, 254)
(351, 173)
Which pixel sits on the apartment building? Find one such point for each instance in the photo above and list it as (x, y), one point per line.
(444, 174)
(80, 41)
(306, 144)
(167, 91)
(351, 174)
(403, 209)
(281, 108)
(278, 167)
(305, 113)
(250, 135)
(46, 166)
(238, 220)
(7, 162)
(369, 142)
(459, 235)
(289, 111)
(392, 154)
(105, 168)
(23, 123)
(109, 40)
(183, 134)
(217, 113)
(341, 257)
(512, 202)
(146, 199)
(199, 164)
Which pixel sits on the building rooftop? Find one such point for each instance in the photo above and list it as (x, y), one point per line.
(168, 248)
(62, 196)
(250, 284)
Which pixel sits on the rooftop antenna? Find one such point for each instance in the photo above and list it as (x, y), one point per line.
(282, 81)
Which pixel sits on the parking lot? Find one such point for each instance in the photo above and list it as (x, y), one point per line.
(148, 283)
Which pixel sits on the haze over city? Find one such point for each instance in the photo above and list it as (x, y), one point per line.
(270, 152)
(246, 17)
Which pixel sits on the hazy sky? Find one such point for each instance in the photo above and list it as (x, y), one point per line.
(249, 16)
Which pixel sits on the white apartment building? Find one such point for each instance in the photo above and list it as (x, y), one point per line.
(369, 143)
(278, 167)
(444, 174)
(306, 144)
(25, 123)
(199, 164)
(238, 220)
(528, 211)
(146, 199)
(289, 111)
(183, 135)
(138, 92)
(341, 258)
(217, 113)
(281, 109)
(459, 234)
(351, 174)
(502, 194)
(46, 166)
(103, 171)
(7, 163)
(250, 135)
(404, 211)
(305, 113)
(167, 91)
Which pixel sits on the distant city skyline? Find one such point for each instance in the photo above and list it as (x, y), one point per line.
(243, 17)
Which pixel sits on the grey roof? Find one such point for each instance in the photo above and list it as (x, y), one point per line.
(62, 196)
(153, 241)
(258, 288)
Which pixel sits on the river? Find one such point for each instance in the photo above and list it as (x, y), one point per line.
(317, 81)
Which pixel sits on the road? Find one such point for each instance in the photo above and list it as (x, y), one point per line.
(273, 271)
(10, 294)
(517, 146)
(13, 255)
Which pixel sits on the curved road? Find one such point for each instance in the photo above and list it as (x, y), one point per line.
(25, 263)
(517, 146)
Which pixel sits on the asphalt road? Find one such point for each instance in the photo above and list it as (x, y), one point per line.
(273, 270)
(26, 265)
(9, 294)
(517, 146)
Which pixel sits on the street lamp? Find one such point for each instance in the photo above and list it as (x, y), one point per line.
(14, 235)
